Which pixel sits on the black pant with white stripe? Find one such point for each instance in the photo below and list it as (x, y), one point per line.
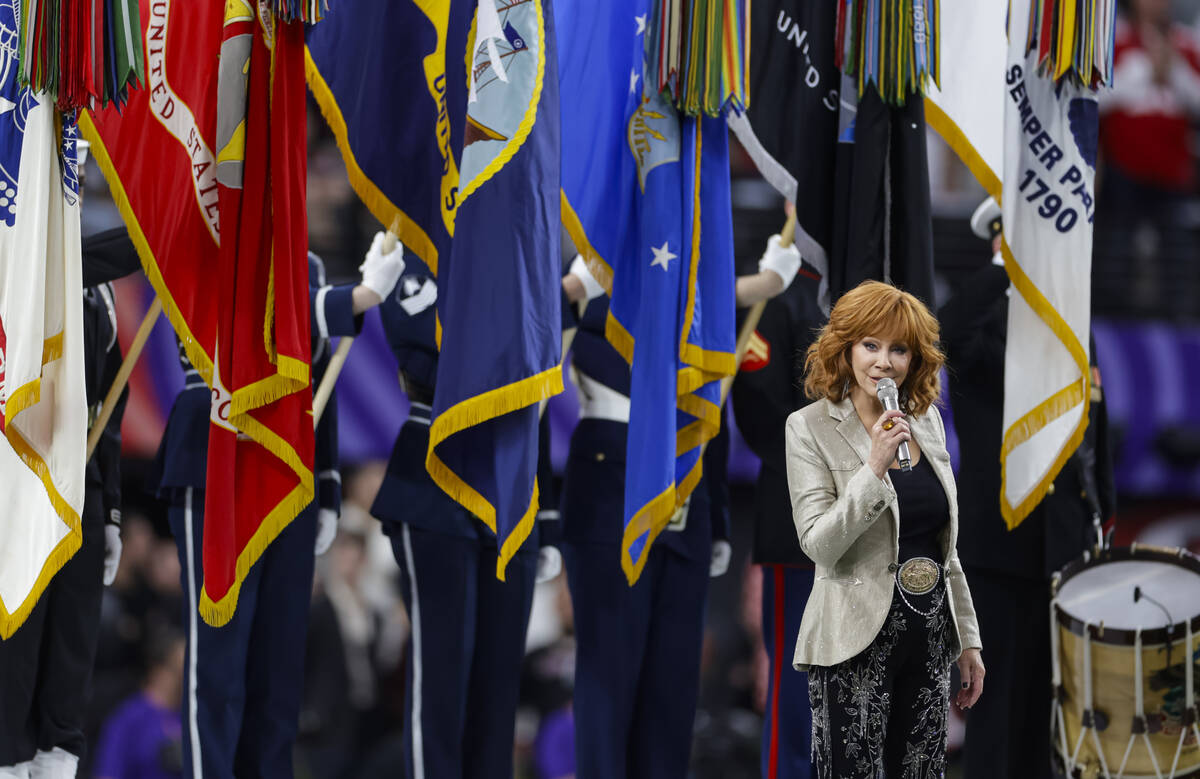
(242, 682)
(465, 651)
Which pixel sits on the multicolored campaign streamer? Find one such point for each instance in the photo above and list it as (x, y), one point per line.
(889, 44)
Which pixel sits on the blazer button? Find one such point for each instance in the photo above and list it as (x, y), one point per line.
(879, 506)
(599, 457)
(893, 567)
(1050, 489)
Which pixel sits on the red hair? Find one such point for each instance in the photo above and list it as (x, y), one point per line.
(874, 308)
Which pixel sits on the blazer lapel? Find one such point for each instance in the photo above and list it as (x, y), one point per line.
(851, 427)
(924, 432)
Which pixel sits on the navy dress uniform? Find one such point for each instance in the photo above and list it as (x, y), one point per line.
(468, 628)
(46, 666)
(242, 681)
(637, 669)
(1008, 728)
(769, 387)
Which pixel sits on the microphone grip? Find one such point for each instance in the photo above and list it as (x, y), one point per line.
(903, 456)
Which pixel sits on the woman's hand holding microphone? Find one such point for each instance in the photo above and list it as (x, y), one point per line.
(886, 434)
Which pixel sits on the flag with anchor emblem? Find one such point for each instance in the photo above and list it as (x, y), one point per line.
(465, 170)
(43, 403)
(646, 200)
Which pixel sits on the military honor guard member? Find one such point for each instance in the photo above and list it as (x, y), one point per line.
(637, 670)
(46, 666)
(1008, 731)
(242, 681)
(769, 387)
(468, 627)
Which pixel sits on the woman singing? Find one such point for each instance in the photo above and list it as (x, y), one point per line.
(890, 609)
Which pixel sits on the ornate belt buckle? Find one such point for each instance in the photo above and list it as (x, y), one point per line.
(918, 575)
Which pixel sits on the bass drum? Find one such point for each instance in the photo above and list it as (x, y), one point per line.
(1125, 637)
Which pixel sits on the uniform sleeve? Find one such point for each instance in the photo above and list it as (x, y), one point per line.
(549, 519)
(108, 449)
(716, 476)
(108, 256)
(333, 311)
(328, 466)
(762, 398)
(108, 454)
(965, 320)
(1105, 486)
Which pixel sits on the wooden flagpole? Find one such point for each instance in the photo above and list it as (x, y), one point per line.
(118, 385)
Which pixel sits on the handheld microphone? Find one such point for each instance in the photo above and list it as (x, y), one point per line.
(889, 396)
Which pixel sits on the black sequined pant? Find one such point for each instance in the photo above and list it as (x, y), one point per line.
(882, 713)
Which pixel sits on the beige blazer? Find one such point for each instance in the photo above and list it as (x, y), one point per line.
(849, 524)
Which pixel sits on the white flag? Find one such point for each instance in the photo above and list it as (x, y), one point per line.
(1050, 138)
(43, 402)
(968, 109)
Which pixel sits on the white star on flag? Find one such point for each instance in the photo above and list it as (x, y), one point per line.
(633, 80)
(662, 257)
(641, 23)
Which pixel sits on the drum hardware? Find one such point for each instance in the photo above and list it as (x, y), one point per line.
(1103, 539)
(1143, 721)
(1139, 595)
(1095, 718)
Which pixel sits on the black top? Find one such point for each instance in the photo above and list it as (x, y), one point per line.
(924, 511)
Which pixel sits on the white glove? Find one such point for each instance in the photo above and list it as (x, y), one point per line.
(327, 521)
(112, 552)
(381, 271)
(549, 563)
(780, 260)
(722, 552)
(579, 270)
(998, 259)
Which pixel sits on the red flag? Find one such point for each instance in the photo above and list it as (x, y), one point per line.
(263, 476)
(208, 170)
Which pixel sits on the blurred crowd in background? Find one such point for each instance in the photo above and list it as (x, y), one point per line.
(1146, 299)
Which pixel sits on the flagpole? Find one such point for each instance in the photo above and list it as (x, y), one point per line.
(118, 385)
(325, 390)
(567, 338)
(786, 237)
(338, 361)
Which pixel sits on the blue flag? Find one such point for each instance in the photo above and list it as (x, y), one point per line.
(646, 200)
(391, 81)
(449, 126)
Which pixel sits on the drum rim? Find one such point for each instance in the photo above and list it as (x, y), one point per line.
(1060, 770)
(1121, 636)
